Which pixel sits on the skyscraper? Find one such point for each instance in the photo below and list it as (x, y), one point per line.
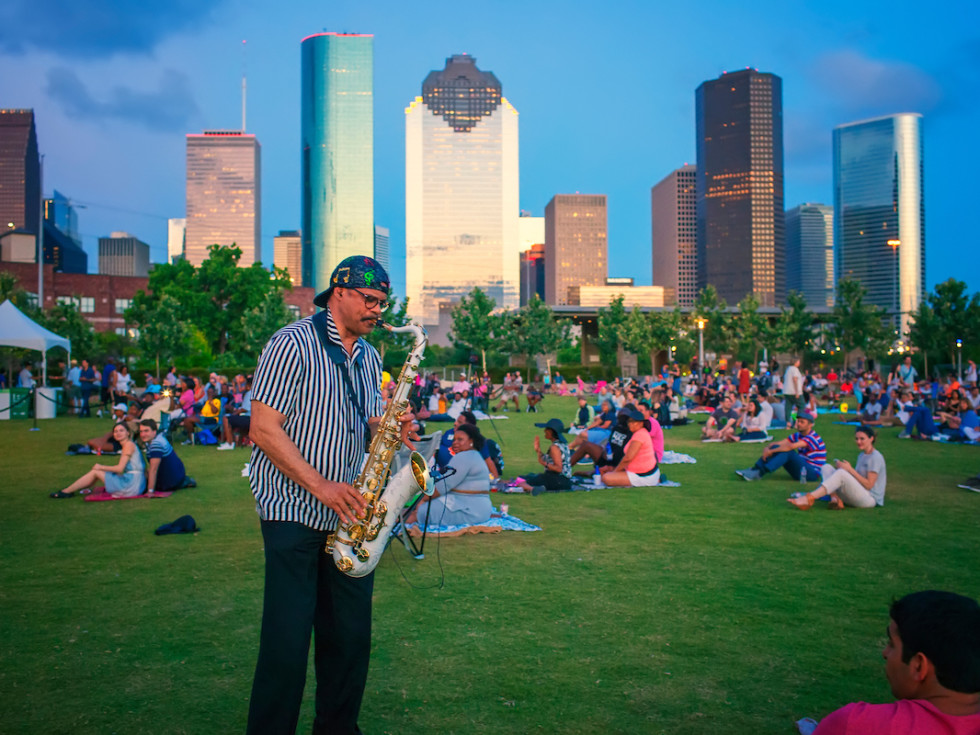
(382, 247)
(575, 245)
(810, 253)
(224, 195)
(287, 253)
(740, 219)
(20, 172)
(673, 210)
(880, 224)
(62, 243)
(176, 238)
(337, 103)
(122, 254)
(461, 191)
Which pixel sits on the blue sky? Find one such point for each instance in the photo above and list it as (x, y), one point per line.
(605, 94)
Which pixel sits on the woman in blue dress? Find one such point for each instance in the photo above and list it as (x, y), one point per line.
(125, 479)
(463, 498)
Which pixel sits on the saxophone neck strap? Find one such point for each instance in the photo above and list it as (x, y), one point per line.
(338, 355)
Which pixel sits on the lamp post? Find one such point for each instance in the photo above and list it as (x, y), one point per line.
(959, 360)
(701, 323)
(894, 245)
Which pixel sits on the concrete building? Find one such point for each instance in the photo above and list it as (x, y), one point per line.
(122, 254)
(880, 214)
(602, 296)
(810, 253)
(176, 238)
(461, 191)
(576, 248)
(382, 247)
(673, 224)
(287, 249)
(20, 172)
(224, 195)
(740, 218)
(337, 129)
(532, 273)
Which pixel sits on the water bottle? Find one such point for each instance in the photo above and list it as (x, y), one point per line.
(803, 479)
(597, 478)
(792, 417)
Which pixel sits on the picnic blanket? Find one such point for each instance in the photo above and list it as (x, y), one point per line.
(496, 524)
(671, 457)
(102, 496)
(580, 483)
(847, 423)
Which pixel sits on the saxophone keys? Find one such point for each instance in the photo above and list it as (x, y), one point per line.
(362, 555)
(345, 564)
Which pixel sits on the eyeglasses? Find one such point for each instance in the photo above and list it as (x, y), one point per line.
(372, 301)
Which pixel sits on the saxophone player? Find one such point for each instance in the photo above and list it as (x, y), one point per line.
(315, 396)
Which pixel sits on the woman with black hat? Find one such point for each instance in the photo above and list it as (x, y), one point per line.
(638, 468)
(557, 475)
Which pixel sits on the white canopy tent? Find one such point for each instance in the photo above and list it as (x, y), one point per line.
(19, 330)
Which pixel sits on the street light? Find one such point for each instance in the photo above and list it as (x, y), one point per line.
(959, 359)
(701, 323)
(894, 245)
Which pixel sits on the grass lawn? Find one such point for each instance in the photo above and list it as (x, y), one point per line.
(713, 607)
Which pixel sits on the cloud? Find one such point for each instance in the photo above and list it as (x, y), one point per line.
(170, 108)
(96, 29)
(859, 85)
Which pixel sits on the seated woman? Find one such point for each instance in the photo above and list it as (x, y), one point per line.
(557, 475)
(862, 486)
(753, 423)
(462, 499)
(638, 468)
(125, 479)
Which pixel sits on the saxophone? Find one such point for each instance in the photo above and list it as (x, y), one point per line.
(357, 546)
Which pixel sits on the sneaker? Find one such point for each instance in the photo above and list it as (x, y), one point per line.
(186, 442)
(225, 446)
(904, 435)
(537, 490)
(749, 475)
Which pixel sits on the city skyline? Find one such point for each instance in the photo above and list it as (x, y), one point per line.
(106, 104)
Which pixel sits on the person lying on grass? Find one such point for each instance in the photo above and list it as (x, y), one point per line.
(932, 663)
(124, 479)
(860, 486)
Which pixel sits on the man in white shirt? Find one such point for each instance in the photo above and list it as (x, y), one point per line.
(793, 385)
(24, 378)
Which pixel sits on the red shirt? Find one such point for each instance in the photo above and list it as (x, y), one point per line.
(904, 717)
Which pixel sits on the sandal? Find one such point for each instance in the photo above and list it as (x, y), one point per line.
(835, 504)
(803, 502)
(61, 494)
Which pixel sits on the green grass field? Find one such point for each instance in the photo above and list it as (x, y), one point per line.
(713, 607)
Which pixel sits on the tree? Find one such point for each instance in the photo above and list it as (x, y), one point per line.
(162, 333)
(397, 316)
(610, 322)
(213, 298)
(533, 330)
(474, 324)
(793, 331)
(857, 324)
(262, 321)
(925, 333)
(752, 328)
(649, 333)
(10, 289)
(66, 321)
(957, 316)
(714, 310)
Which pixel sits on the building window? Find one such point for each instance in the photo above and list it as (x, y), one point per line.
(122, 305)
(66, 300)
(131, 332)
(31, 299)
(294, 310)
(86, 304)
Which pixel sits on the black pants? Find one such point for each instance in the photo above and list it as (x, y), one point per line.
(304, 592)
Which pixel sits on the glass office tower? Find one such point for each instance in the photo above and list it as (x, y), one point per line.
(337, 100)
(740, 218)
(461, 191)
(880, 224)
(20, 172)
(810, 253)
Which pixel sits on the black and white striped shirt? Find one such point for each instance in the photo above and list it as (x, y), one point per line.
(296, 377)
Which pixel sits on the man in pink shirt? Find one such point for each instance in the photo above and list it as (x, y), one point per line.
(932, 662)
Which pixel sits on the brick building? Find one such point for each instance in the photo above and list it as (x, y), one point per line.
(102, 300)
